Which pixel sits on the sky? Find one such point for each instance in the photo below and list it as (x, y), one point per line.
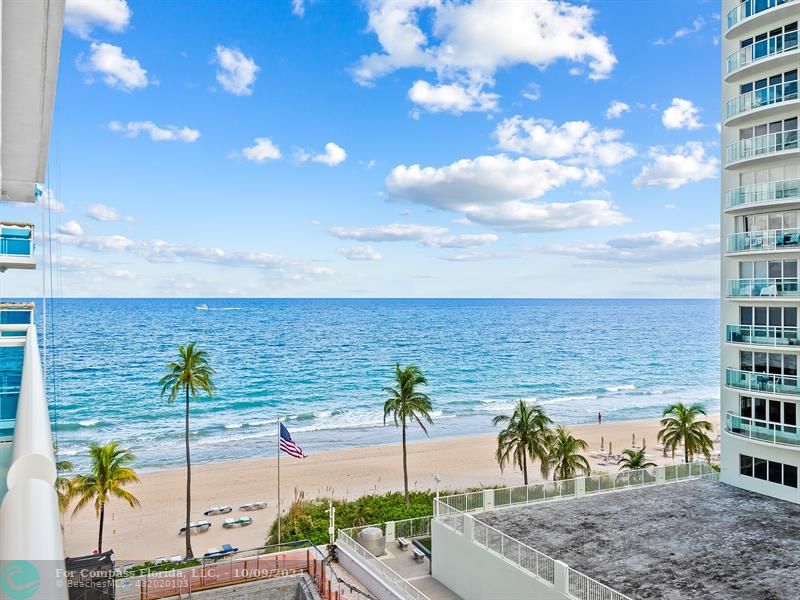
(425, 148)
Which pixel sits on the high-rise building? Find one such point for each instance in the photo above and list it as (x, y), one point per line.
(760, 227)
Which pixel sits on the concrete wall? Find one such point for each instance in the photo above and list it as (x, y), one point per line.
(294, 587)
(474, 573)
(353, 565)
(735, 445)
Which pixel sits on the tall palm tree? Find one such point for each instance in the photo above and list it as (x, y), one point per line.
(64, 485)
(565, 457)
(634, 460)
(679, 425)
(406, 405)
(191, 374)
(107, 479)
(527, 434)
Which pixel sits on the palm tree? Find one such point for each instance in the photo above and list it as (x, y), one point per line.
(565, 456)
(634, 460)
(107, 479)
(406, 405)
(527, 434)
(192, 374)
(64, 485)
(679, 425)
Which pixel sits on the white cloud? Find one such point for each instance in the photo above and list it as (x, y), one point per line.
(169, 133)
(334, 155)
(501, 192)
(427, 235)
(533, 91)
(452, 97)
(650, 247)
(81, 16)
(117, 70)
(236, 72)
(101, 212)
(576, 141)
(697, 24)
(616, 109)
(71, 228)
(359, 253)
(298, 8)
(681, 114)
(685, 164)
(84, 266)
(470, 41)
(262, 150)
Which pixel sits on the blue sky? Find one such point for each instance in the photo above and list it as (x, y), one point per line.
(429, 148)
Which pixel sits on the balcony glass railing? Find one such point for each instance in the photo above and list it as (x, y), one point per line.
(766, 383)
(16, 240)
(748, 8)
(773, 94)
(762, 335)
(774, 433)
(772, 239)
(761, 288)
(15, 314)
(11, 358)
(774, 191)
(762, 145)
(767, 48)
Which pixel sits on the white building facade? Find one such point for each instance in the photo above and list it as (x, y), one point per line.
(760, 233)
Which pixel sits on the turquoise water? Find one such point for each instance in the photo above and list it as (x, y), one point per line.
(322, 365)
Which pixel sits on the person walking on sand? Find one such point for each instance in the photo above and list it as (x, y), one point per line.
(599, 418)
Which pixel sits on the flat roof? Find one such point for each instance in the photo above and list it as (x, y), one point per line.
(682, 541)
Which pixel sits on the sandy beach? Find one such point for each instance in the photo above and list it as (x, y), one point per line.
(152, 530)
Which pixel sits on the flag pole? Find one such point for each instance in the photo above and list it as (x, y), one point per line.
(279, 482)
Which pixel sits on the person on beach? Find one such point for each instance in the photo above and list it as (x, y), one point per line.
(599, 418)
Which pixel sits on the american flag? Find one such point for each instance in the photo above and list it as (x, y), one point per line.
(288, 445)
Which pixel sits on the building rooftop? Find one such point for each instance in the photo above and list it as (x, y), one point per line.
(689, 540)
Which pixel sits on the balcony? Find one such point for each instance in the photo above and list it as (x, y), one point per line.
(761, 335)
(764, 241)
(748, 10)
(10, 379)
(16, 246)
(775, 47)
(15, 317)
(763, 146)
(762, 431)
(768, 287)
(774, 95)
(782, 192)
(764, 383)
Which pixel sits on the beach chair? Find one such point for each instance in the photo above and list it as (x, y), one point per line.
(228, 523)
(203, 525)
(244, 521)
(228, 549)
(218, 510)
(212, 553)
(159, 560)
(175, 559)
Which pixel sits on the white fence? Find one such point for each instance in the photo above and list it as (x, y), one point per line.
(384, 573)
(522, 555)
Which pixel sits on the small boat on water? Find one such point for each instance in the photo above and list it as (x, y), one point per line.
(253, 506)
(201, 307)
(218, 510)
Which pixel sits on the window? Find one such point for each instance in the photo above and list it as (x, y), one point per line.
(760, 468)
(760, 409)
(746, 407)
(790, 475)
(775, 471)
(746, 465)
(774, 411)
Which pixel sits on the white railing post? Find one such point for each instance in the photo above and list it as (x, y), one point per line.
(390, 531)
(661, 475)
(469, 527)
(580, 487)
(488, 499)
(561, 577)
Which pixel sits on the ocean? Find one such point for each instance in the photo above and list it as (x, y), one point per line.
(322, 364)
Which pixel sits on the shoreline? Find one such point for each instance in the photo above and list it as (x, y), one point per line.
(462, 461)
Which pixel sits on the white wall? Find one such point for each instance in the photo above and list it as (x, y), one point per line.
(474, 573)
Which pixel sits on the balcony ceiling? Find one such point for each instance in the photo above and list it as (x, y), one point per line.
(30, 41)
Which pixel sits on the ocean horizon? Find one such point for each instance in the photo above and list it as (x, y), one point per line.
(321, 365)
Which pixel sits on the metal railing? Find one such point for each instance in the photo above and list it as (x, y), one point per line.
(413, 528)
(765, 287)
(762, 145)
(523, 556)
(770, 239)
(762, 335)
(584, 587)
(774, 191)
(750, 8)
(766, 383)
(772, 46)
(385, 573)
(773, 94)
(779, 434)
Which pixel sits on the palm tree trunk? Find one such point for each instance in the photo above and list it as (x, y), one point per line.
(525, 467)
(685, 452)
(405, 465)
(100, 535)
(189, 553)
